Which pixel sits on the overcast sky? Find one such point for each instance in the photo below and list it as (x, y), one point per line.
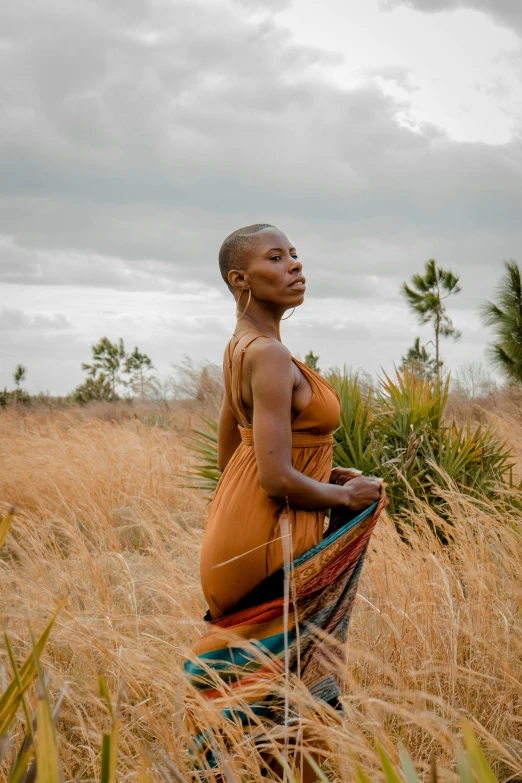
(135, 136)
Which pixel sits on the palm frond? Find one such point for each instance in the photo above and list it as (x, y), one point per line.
(504, 317)
(206, 473)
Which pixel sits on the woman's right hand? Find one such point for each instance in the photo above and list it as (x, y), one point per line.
(361, 492)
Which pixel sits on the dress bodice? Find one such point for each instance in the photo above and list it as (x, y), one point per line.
(320, 416)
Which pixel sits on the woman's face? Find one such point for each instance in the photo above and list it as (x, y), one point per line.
(273, 271)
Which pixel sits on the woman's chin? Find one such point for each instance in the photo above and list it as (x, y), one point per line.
(298, 299)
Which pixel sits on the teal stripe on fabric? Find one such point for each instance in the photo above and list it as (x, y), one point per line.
(202, 677)
(238, 657)
(322, 545)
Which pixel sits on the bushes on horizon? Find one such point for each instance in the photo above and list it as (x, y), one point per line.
(14, 397)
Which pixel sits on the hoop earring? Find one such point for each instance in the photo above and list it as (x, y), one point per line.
(239, 314)
(288, 316)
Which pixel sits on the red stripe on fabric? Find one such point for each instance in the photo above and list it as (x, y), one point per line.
(253, 615)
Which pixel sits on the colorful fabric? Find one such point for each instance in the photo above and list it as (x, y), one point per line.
(240, 663)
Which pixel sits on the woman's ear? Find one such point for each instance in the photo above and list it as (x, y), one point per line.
(237, 279)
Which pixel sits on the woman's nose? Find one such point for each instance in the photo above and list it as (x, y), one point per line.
(295, 265)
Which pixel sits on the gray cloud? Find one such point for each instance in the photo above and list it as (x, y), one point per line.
(272, 6)
(149, 136)
(35, 266)
(506, 12)
(134, 137)
(18, 321)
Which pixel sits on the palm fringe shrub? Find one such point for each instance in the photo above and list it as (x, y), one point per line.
(397, 431)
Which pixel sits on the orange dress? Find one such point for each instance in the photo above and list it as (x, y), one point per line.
(243, 525)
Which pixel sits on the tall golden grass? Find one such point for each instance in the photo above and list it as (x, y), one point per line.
(103, 519)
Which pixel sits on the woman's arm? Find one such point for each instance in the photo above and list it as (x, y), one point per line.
(272, 381)
(228, 434)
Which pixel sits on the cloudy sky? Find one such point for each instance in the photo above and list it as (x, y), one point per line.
(135, 136)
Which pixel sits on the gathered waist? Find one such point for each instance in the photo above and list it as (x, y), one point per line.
(299, 439)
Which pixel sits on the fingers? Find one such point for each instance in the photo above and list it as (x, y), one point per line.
(347, 472)
(343, 475)
(371, 479)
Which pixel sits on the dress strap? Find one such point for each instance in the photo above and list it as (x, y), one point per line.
(235, 396)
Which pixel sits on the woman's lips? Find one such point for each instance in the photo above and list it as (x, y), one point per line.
(300, 284)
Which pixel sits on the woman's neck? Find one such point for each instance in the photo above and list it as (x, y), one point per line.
(266, 323)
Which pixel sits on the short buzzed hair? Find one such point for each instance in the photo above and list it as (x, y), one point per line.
(232, 249)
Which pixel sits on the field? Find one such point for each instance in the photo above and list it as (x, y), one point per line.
(103, 519)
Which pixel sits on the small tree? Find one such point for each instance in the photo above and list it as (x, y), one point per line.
(505, 318)
(107, 360)
(137, 365)
(426, 298)
(93, 389)
(311, 361)
(419, 361)
(19, 375)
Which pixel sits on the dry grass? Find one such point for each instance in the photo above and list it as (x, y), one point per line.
(436, 633)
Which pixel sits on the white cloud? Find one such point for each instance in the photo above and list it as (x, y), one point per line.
(452, 69)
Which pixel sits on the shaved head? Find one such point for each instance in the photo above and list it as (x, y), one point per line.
(233, 248)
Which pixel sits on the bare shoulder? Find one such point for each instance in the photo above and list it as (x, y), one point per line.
(266, 353)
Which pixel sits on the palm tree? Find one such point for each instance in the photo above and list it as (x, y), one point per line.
(426, 299)
(505, 318)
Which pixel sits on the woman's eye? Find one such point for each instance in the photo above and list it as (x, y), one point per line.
(275, 258)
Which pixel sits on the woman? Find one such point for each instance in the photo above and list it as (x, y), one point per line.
(275, 451)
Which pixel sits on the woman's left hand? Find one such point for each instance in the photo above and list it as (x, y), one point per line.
(342, 475)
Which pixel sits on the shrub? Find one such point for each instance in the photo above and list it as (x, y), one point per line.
(397, 431)
(14, 397)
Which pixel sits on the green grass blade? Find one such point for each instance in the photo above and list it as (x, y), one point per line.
(108, 757)
(19, 768)
(27, 672)
(390, 775)
(463, 766)
(109, 741)
(408, 770)
(476, 756)
(11, 697)
(46, 750)
(360, 776)
(104, 693)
